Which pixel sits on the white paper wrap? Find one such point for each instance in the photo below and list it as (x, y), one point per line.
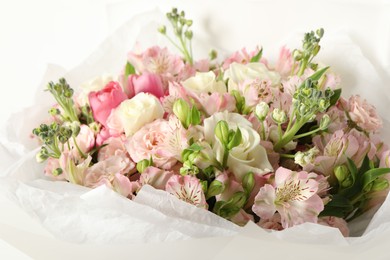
(100, 216)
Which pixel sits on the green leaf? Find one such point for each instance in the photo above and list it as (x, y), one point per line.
(339, 206)
(318, 74)
(195, 116)
(335, 97)
(129, 69)
(257, 57)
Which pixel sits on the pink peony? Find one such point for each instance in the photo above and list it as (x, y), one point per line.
(103, 101)
(363, 114)
(294, 196)
(187, 188)
(151, 141)
(147, 83)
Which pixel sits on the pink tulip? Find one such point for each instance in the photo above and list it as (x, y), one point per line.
(147, 83)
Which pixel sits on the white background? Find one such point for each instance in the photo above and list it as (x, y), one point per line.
(64, 32)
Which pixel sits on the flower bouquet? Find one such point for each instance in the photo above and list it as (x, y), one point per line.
(246, 140)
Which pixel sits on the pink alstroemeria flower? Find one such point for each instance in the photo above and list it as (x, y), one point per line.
(187, 188)
(294, 197)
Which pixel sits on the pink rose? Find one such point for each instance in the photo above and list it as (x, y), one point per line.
(147, 83)
(363, 114)
(151, 141)
(103, 101)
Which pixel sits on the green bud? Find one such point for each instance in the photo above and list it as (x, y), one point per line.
(174, 10)
(238, 199)
(297, 55)
(380, 184)
(346, 183)
(279, 116)
(57, 172)
(204, 186)
(213, 54)
(162, 29)
(235, 139)
(261, 111)
(320, 32)
(41, 156)
(178, 31)
(188, 34)
(368, 187)
(142, 165)
(216, 187)
(189, 23)
(341, 172)
(222, 132)
(185, 154)
(316, 49)
(248, 182)
(54, 111)
(195, 116)
(325, 121)
(181, 109)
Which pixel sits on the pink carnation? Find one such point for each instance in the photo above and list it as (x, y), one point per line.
(363, 114)
(151, 141)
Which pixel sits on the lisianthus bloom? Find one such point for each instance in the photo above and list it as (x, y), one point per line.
(103, 101)
(187, 188)
(294, 196)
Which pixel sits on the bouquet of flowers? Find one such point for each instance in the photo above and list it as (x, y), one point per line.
(275, 144)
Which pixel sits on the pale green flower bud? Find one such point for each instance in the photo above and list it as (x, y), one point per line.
(188, 34)
(142, 165)
(248, 182)
(222, 132)
(320, 32)
(238, 199)
(261, 111)
(235, 140)
(57, 172)
(325, 121)
(216, 187)
(341, 172)
(279, 116)
(75, 127)
(162, 29)
(182, 111)
(305, 158)
(213, 54)
(297, 55)
(380, 184)
(41, 156)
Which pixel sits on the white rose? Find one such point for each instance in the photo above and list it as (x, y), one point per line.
(204, 82)
(249, 155)
(136, 112)
(95, 84)
(238, 73)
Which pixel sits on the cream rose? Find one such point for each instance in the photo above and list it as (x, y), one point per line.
(249, 155)
(136, 112)
(204, 82)
(238, 73)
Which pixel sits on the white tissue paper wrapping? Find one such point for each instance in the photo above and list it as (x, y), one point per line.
(101, 216)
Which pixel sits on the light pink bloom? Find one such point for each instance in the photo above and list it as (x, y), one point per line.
(151, 142)
(335, 222)
(74, 168)
(285, 62)
(187, 188)
(293, 196)
(363, 114)
(217, 102)
(147, 83)
(103, 101)
(155, 177)
(111, 172)
(242, 57)
(230, 184)
(338, 120)
(158, 61)
(85, 140)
